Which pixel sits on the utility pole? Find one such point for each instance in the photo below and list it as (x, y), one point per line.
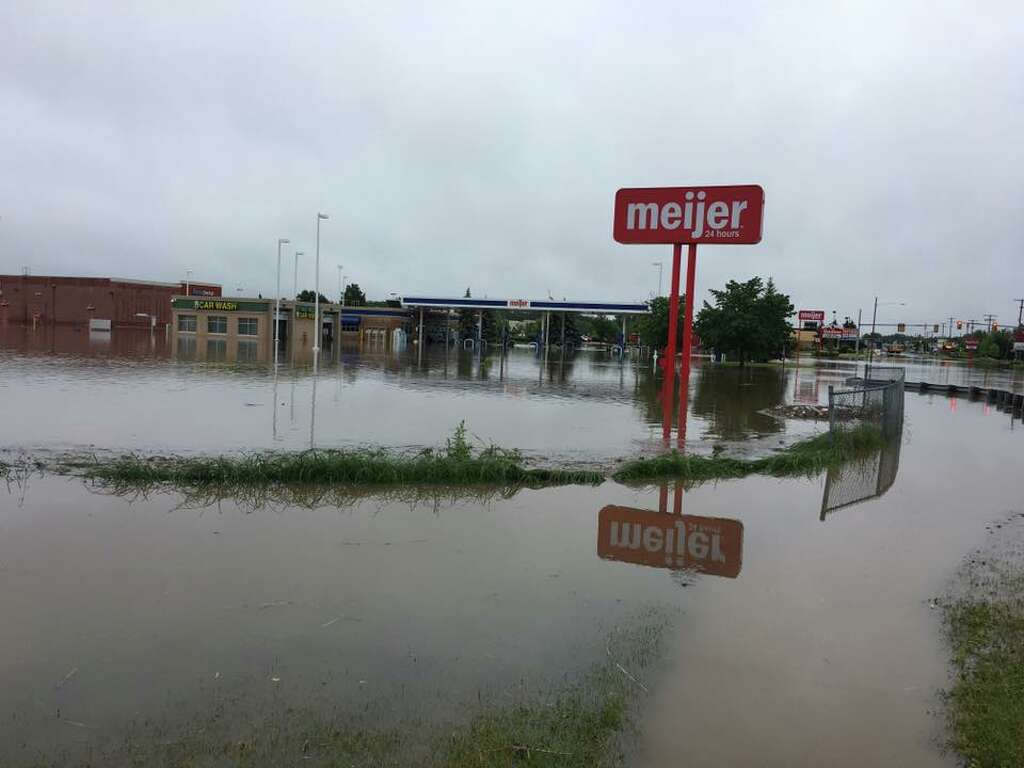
(1020, 313)
(988, 321)
(950, 334)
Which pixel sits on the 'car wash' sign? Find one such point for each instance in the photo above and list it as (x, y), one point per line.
(711, 545)
(723, 215)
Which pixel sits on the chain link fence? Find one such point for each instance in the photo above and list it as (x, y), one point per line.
(878, 399)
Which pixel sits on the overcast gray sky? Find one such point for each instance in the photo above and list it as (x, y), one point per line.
(478, 144)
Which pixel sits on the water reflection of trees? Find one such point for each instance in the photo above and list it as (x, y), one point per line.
(733, 401)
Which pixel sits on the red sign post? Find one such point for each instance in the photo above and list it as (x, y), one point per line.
(686, 215)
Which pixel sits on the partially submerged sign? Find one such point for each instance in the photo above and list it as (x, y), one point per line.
(730, 215)
(711, 545)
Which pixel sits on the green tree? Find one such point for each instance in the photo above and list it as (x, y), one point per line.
(310, 296)
(653, 327)
(467, 323)
(354, 296)
(598, 327)
(749, 320)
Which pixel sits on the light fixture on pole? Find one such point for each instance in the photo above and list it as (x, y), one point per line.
(277, 306)
(317, 332)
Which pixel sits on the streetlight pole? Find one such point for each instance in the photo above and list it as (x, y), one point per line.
(295, 277)
(277, 305)
(188, 274)
(871, 349)
(661, 268)
(341, 296)
(344, 283)
(874, 314)
(316, 290)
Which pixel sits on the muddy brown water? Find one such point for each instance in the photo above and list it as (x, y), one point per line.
(822, 649)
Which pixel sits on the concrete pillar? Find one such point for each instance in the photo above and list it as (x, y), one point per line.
(421, 343)
(563, 336)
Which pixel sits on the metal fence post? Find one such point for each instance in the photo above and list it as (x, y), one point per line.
(831, 410)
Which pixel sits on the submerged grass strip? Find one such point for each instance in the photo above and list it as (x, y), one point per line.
(457, 465)
(985, 706)
(803, 458)
(376, 467)
(579, 724)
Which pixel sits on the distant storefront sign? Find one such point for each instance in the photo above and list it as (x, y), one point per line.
(971, 344)
(711, 545)
(815, 315)
(220, 305)
(833, 332)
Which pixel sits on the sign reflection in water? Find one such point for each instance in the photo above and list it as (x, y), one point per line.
(659, 539)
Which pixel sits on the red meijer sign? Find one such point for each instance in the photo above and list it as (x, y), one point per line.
(723, 215)
(712, 545)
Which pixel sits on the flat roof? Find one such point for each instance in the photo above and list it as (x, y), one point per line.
(528, 305)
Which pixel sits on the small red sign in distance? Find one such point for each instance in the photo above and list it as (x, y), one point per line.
(712, 215)
(812, 314)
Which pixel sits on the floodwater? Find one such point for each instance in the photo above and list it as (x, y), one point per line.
(802, 635)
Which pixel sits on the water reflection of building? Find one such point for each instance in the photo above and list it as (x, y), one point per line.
(220, 350)
(852, 482)
(79, 341)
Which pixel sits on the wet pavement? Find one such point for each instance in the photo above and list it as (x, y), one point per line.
(802, 635)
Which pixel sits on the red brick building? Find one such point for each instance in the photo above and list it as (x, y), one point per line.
(39, 299)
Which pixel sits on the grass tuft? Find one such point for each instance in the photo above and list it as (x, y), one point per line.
(985, 706)
(806, 457)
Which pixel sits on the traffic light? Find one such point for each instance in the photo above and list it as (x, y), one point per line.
(959, 325)
(995, 327)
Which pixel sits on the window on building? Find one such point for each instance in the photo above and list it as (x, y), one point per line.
(187, 323)
(248, 326)
(217, 324)
(216, 350)
(187, 347)
(248, 351)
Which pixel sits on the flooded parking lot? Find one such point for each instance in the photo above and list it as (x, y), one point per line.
(804, 635)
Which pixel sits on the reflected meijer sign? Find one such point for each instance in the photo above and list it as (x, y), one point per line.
(712, 545)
